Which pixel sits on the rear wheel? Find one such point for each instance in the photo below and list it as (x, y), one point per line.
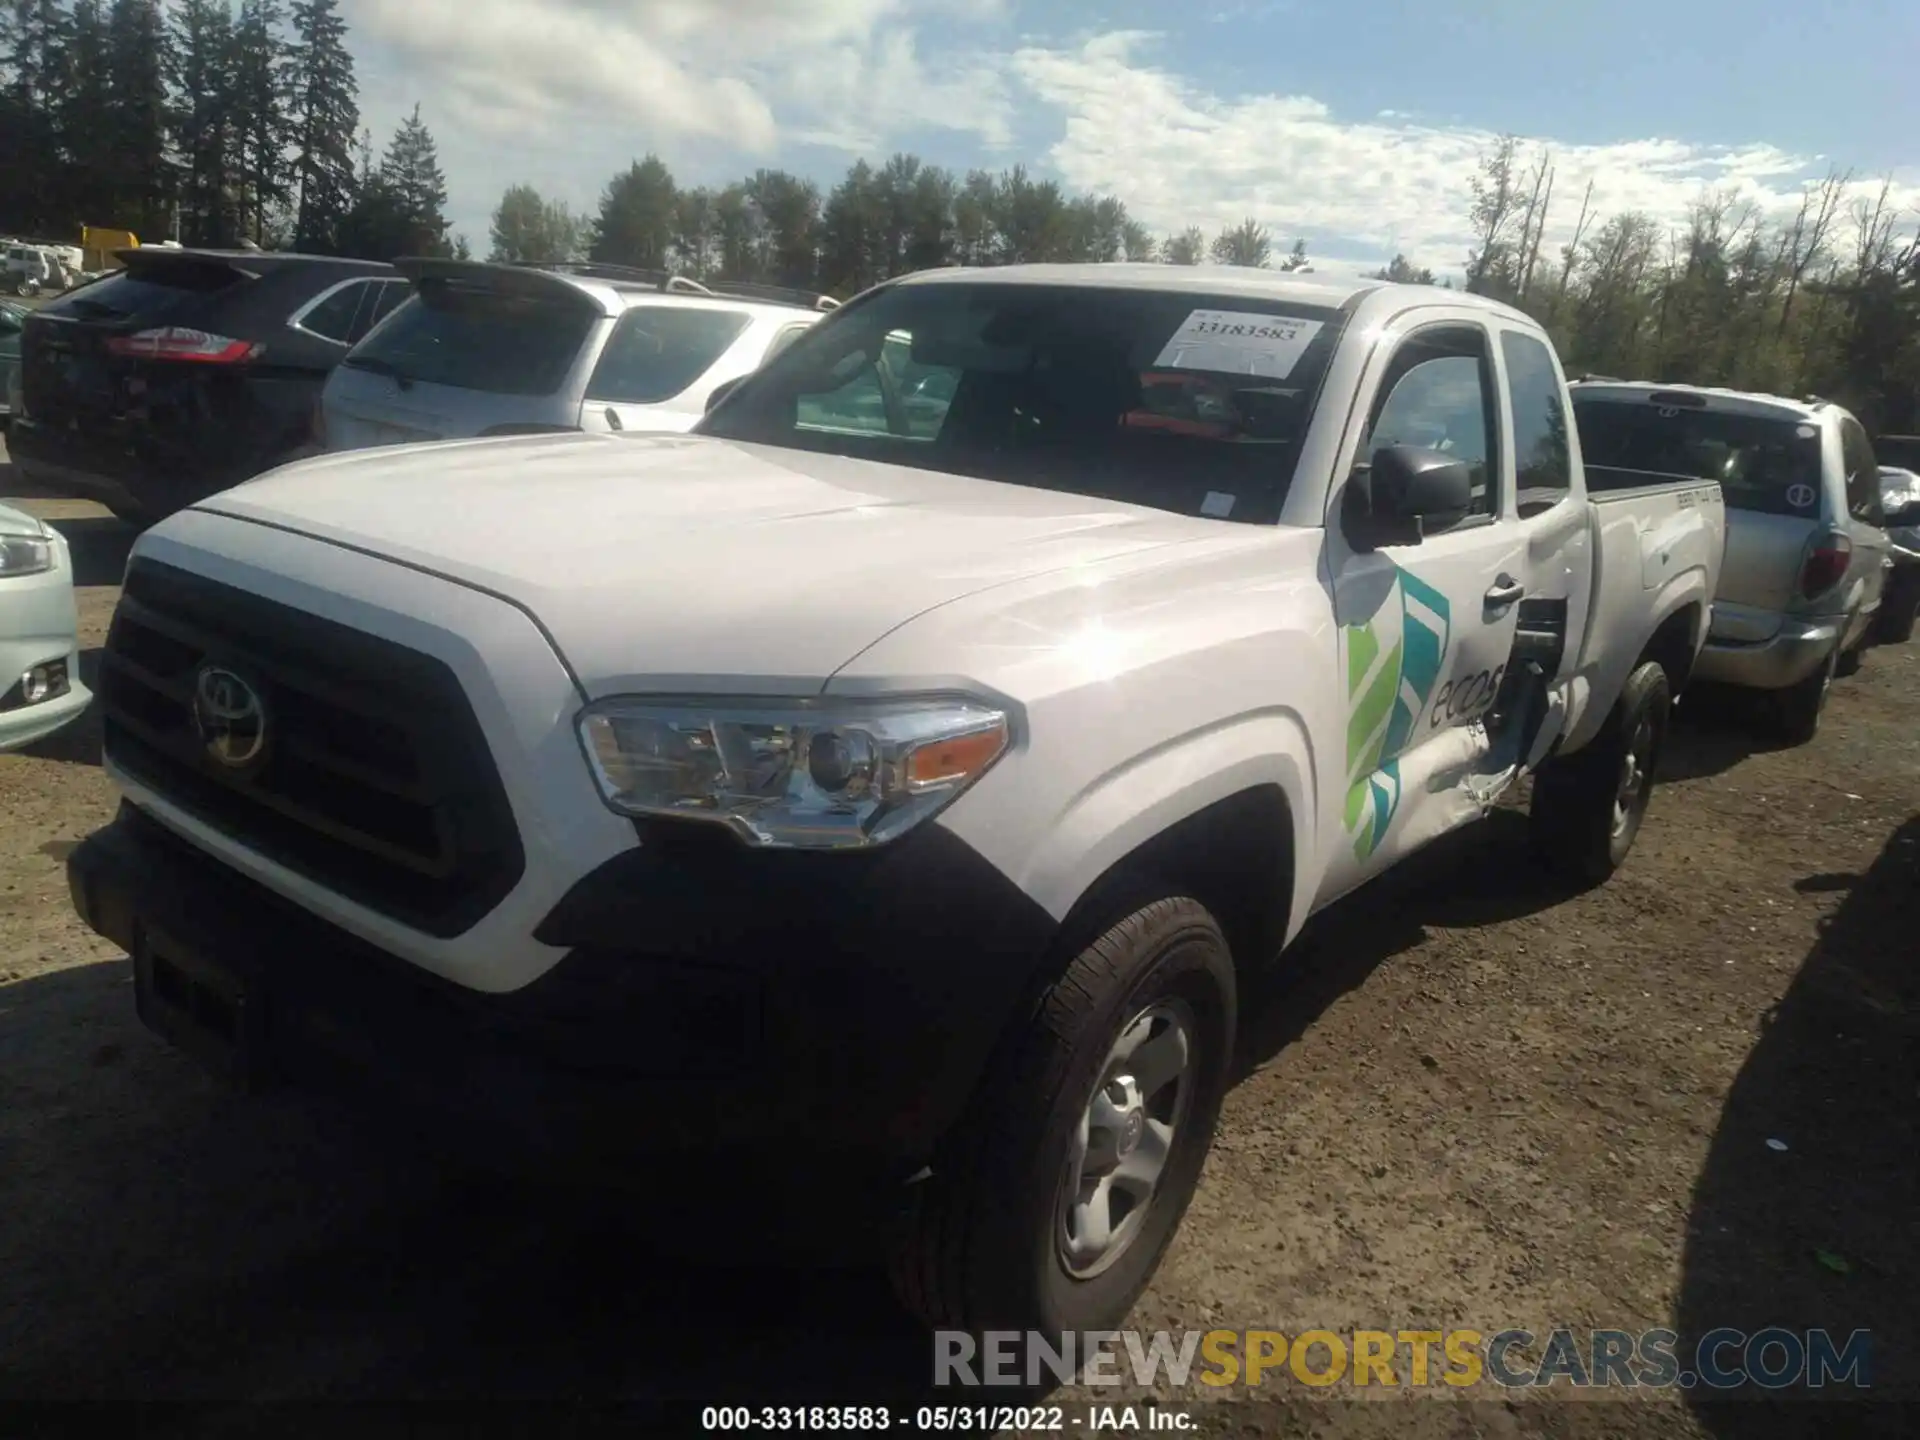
(1587, 806)
(1062, 1188)
(1894, 624)
(1798, 708)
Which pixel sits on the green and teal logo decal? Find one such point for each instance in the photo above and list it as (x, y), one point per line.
(1393, 663)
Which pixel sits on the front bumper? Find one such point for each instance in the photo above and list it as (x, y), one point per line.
(23, 724)
(708, 1006)
(1790, 655)
(38, 626)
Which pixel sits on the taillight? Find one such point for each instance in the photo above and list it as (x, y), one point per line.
(176, 342)
(1825, 565)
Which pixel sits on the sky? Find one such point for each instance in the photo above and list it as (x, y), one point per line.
(1354, 124)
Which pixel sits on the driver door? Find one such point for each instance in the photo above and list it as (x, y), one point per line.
(1426, 630)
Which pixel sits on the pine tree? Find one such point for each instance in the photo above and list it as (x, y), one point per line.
(410, 174)
(136, 125)
(79, 103)
(326, 122)
(203, 80)
(262, 128)
(32, 73)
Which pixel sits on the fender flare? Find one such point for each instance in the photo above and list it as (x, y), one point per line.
(1128, 806)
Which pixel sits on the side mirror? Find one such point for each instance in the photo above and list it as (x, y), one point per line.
(1404, 494)
(722, 390)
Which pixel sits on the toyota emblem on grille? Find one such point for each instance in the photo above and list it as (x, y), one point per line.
(230, 717)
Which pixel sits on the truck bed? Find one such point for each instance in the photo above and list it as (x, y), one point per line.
(1658, 533)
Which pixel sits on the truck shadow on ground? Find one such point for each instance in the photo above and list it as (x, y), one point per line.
(168, 1242)
(1715, 729)
(1482, 875)
(1822, 1233)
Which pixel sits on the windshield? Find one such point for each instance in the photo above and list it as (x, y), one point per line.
(1185, 402)
(473, 338)
(1765, 464)
(656, 351)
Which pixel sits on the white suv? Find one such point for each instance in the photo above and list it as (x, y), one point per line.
(485, 349)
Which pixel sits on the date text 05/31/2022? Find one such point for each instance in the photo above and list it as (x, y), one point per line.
(970, 1419)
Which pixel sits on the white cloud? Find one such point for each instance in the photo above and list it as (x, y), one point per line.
(564, 93)
(1182, 156)
(746, 73)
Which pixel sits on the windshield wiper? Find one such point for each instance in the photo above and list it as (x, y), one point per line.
(381, 367)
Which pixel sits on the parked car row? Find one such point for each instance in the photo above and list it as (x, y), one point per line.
(1812, 574)
(190, 371)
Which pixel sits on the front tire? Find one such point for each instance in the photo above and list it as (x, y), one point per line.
(1587, 806)
(1054, 1202)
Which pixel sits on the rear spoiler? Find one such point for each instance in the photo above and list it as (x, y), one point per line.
(672, 284)
(149, 257)
(485, 275)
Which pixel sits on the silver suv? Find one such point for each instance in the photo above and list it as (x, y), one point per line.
(485, 349)
(1807, 555)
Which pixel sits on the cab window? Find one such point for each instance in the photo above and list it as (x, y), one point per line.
(1543, 469)
(1438, 395)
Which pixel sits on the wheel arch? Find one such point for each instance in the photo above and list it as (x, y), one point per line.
(1224, 814)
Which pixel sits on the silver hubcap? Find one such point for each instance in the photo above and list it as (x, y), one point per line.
(1125, 1135)
(1635, 776)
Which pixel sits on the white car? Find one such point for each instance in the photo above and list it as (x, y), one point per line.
(484, 349)
(40, 688)
(883, 797)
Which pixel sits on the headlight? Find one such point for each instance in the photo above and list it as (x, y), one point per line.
(25, 554)
(792, 774)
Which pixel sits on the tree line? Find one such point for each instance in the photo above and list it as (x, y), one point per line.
(204, 123)
(1821, 299)
(879, 221)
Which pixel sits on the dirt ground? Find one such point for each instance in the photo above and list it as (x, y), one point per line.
(1469, 1101)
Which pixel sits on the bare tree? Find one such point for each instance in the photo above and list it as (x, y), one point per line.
(1496, 201)
(1805, 241)
(1570, 252)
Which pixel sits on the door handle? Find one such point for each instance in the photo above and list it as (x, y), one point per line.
(1504, 592)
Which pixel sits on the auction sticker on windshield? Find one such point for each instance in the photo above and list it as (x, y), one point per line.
(1238, 342)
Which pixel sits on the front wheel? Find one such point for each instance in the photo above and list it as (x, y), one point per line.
(1587, 806)
(1052, 1206)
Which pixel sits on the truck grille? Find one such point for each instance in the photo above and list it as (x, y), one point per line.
(347, 758)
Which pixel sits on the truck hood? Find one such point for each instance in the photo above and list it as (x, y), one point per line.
(666, 561)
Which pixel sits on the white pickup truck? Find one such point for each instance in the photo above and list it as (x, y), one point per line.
(894, 778)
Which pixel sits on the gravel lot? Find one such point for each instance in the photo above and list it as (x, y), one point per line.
(1469, 1100)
